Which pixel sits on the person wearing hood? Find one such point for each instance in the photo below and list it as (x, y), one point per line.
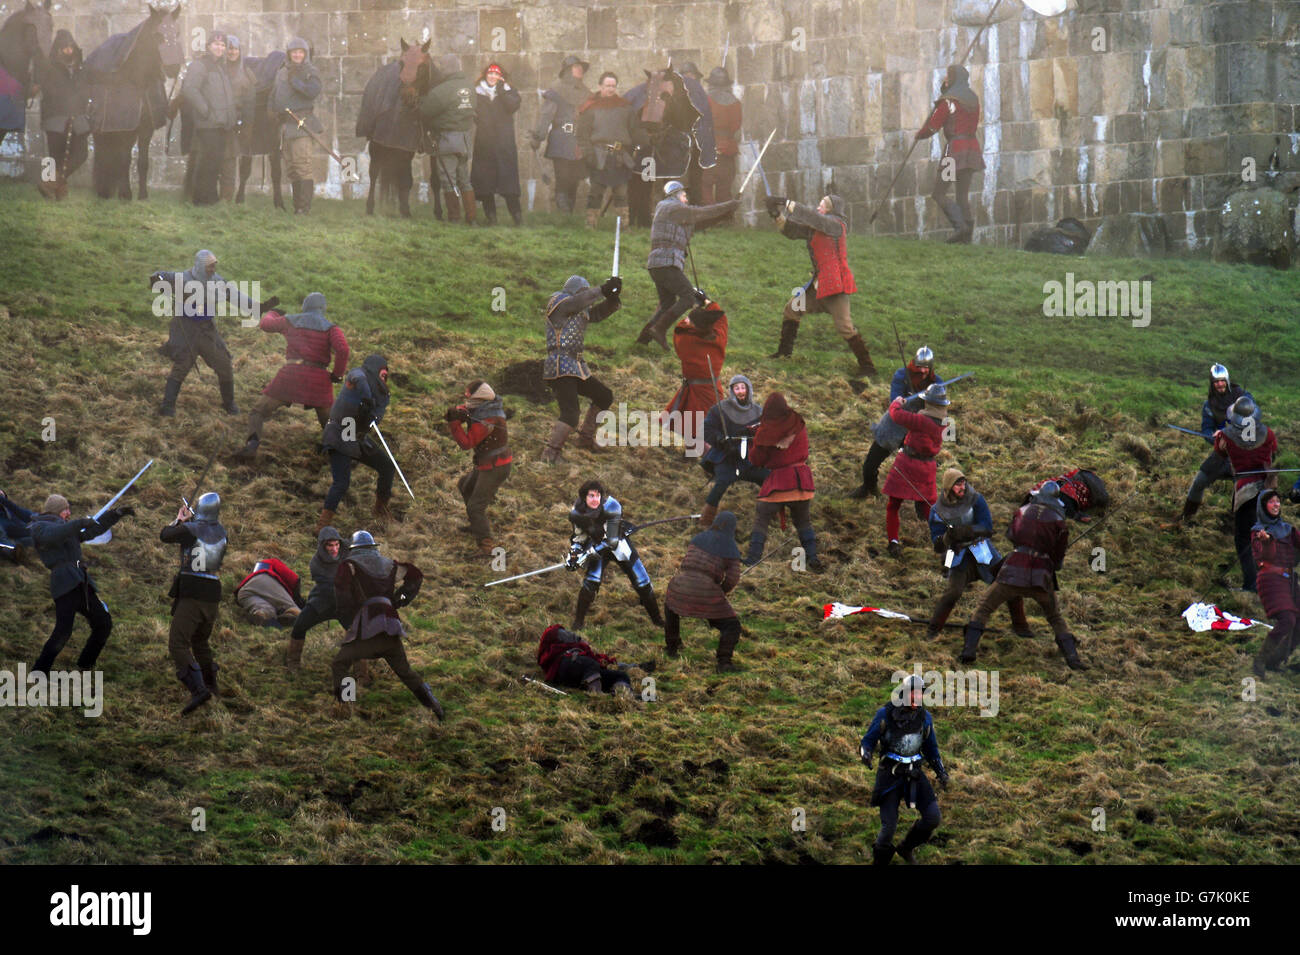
(305, 378)
(911, 478)
(781, 446)
(1221, 395)
(243, 83)
(607, 138)
(568, 313)
(557, 128)
(961, 526)
(65, 113)
(957, 113)
(495, 171)
(57, 538)
(1275, 548)
(296, 88)
(370, 588)
(908, 383)
(675, 221)
(1249, 447)
(729, 429)
(600, 538)
(700, 341)
(213, 109)
(15, 529)
(448, 111)
(479, 425)
(361, 403)
(826, 232)
(193, 332)
(568, 660)
(708, 573)
(321, 604)
(271, 594)
(725, 108)
(1040, 537)
(904, 731)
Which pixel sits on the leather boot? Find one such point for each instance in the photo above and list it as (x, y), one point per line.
(486, 546)
(469, 204)
(876, 456)
(952, 211)
(914, 838)
(726, 647)
(971, 645)
(707, 515)
(592, 685)
(1019, 622)
(808, 541)
(228, 397)
(308, 190)
(880, 855)
(755, 554)
(593, 217)
(1190, 508)
(935, 626)
(788, 332)
(1071, 653)
(381, 509)
(587, 432)
(859, 349)
(585, 597)
(210, 677)
(361, 672)
(326, 519)
(656, 330)
(170, 391)
(622, 212)
(293, 654)
(559, 434)
(248, 452)
(673, 640)
(650, 603)
(192, 678)
(426, 697)
(452, 203)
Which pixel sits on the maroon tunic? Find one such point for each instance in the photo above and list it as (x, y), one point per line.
(1276, 560)
(308, 382)
(699, 588)
(1247, 459)
(924, 438)
(791, 478)
(697, 391)
(1040, 536)
(958, 122)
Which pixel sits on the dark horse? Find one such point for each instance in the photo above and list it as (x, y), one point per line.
(265, 138)
(390, 119)
(128, 96)
(25, 40)
(669, 119)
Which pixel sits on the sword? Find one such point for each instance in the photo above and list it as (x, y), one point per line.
(107, 536)
(1270, 471)
(545, 686)
(1185, 430)
(780, 547)
(753, 147)
(531, 573)
(726, 49)
(749, 175)
(302, 124)
(398, 467)
(662, 520)
(618, 222)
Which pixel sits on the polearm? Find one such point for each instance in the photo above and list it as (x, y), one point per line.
(302, 124)
(978, 34)
(107, 536)
(633, 530)
(545, 686)
(893, 182)
(396, 466)
(618, 228)
(902, 352)
(750, 175)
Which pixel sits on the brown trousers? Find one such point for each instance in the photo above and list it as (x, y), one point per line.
(266, 408)
(959, 579)
(998, 594)
(836, 306)
(296, 155)
(479, 489)
(386, 648)
(200, 340)
(191, 629)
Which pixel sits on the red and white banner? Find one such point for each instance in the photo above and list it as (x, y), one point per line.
(836, 610)
(1202, 617)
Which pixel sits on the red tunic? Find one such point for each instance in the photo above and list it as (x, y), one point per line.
(791, 478)
(697, 392)
(277, 569)
(307, 382)
(1276, 560)
(495, 454)
(831, 260)
(958, 123)
(1244, 459)
(925, 438)
(726, 126)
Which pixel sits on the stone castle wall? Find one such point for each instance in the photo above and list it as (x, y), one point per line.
(1114, 106)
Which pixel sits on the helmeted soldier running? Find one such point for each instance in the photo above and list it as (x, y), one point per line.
(57, 539)
(904, 731)
(957, 113)
(961, 526)
(599, 538)
(1220, 398)
(908, 383)
(362, 400)
(826, 230)
(370, 589)
(675, 221)
(1275, 548)
(1249, 446)
(306, 377)
(1038, 530)
(196, 595)
(729, 429)
(557, 128)
(568, 313)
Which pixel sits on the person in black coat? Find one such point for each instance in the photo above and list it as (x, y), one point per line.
(65, 109)
(496, 159)
(58, 544)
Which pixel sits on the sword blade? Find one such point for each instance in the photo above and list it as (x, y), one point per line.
(753, 147)
(1185, 430)
(618, 222)
(531, 573)
(750, 174)
(398, 467)
(116, 497)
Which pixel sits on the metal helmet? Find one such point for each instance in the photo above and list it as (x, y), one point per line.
(936, 394)
(910, 685)
(362, 539)
(924, 357)
(1049, 494)
(208, 507)
(673, 187)
(1243, 409)
(1219, 373)
(575, 284)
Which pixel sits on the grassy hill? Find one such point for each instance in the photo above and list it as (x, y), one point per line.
(1156, 734)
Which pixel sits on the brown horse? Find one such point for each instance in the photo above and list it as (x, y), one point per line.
(25, 40)
(129, 98)
(390, 119)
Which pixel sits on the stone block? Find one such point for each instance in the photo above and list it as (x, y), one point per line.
(367, 33)
(635, 26)
(554, 29)
(502, 31)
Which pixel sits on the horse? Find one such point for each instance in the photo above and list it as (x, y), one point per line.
(127, 74)
(25, 41)
(389, 118)
(669, 118)
(265, 138)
